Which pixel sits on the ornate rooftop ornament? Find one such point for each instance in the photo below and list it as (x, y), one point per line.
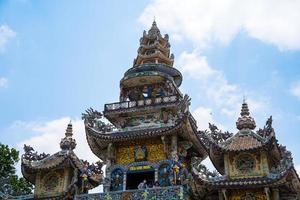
(245, 121)
(68, 143)
(93, 119)
(184, 105)
(202, 169)
(268, 129)
(32, 155)
(214, 135)
(154, 32)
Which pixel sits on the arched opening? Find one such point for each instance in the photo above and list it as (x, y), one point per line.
(137, 174)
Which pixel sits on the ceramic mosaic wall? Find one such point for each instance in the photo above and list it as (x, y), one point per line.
(125, 155)
(169, 193)
(246, 165)
(50, 184)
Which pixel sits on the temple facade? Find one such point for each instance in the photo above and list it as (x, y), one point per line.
(152, 136)
(152, 149)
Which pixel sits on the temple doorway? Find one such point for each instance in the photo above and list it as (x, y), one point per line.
(134, 178)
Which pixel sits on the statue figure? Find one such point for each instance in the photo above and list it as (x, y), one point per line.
(32, 155)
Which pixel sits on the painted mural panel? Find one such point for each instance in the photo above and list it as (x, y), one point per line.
(129, 154)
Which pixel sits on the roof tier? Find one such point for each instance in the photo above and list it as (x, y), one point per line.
(246, 140)
(183, 125)
(32, 163)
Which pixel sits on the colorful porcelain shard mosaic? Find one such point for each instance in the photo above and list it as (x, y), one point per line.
(152, 148)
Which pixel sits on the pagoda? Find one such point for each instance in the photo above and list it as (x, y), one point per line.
(61, 175)
(253, 166)
(152, 135)
(152, 149)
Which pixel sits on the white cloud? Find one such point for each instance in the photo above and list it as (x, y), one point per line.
(195, 65)
(49, 134)
(295, 89)
(204, 116)
(3, 82)
(213, 84)
(205, 22)
(6, 34)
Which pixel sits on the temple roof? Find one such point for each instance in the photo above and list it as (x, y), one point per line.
(32, 162)
(244, 140)
(280, 178)
(284, 174)
(59, 159)
(99, 136)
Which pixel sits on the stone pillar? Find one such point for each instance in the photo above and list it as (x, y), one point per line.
(163, 140)
(174, 148)
(221, 195)
(109, 157)
(156, 175)
(124, 181)
(275, 193)
(267, 191)
(224, 194)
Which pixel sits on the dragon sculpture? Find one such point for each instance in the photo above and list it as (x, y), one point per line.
(94, 119)
(32, 155)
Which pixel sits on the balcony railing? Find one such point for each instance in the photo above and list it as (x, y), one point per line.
(163, 193)
(140, 103)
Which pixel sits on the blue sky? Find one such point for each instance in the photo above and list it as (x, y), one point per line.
(58, 58)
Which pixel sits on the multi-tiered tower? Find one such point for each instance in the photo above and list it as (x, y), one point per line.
(153, 135)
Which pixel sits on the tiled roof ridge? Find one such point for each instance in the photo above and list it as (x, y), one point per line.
(224, 180)
(121, 135)
(63, 153)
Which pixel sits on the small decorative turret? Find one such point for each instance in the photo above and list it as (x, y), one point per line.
(68, 143)
(245, 121)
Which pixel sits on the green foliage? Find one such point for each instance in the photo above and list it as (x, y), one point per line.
(20, 186)
(10, 183)
(8, 158)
